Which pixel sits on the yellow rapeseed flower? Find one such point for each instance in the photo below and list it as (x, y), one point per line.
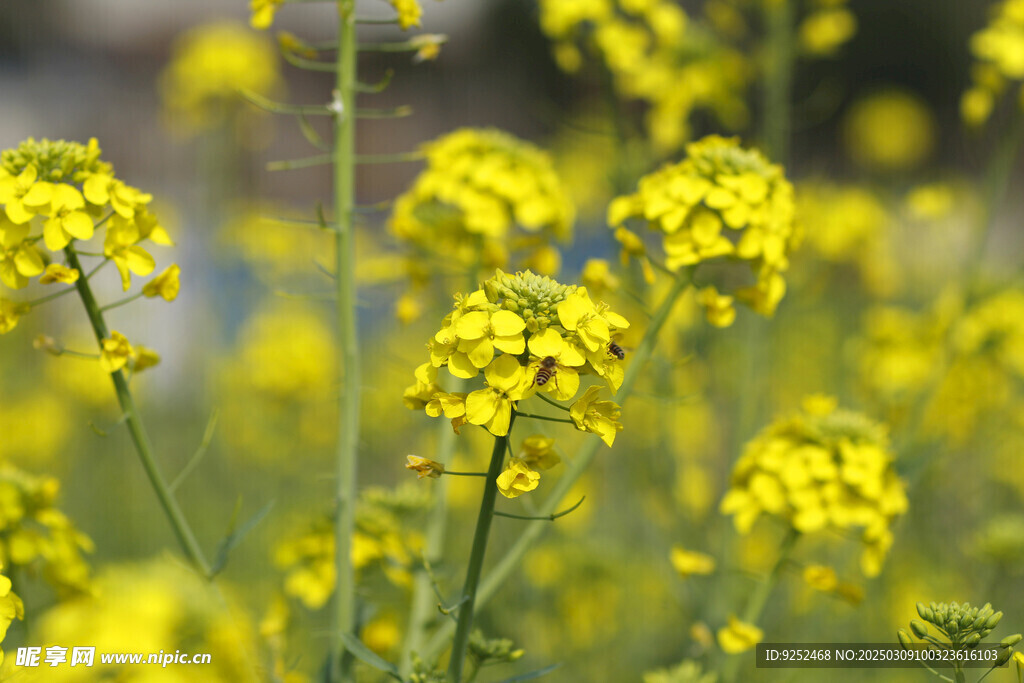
(689, 562)
(517, 479)
(56, 272)
(424, 467)
(115, 352)
(409, 12)
(263, 12)
(738, 636)
(597, 417)
(164, 285)
(819, 471)
(999, 49)
(721, 201)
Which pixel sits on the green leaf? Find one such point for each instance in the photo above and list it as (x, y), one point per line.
(533, 674)
(368, 656)
(235, 536)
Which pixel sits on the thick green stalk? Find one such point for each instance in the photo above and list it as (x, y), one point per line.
(778, 79)
(759, 598)
(574, 470)
(343, 612)
(476, 558)
(143, 446)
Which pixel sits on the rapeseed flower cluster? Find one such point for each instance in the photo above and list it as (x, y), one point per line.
(821, 469)
(656, 55)
(54, 193)
(722, 201)
(999, 51)
(527, 333)
(36, 537)
(463, 207)
(209, 66)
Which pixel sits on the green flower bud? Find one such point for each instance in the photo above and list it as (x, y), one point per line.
(532, 325)
(1003, 658)
(925, 612)
(952, 627)
(919, 628)
(905, 641)
(973, 640)
(1010, 641)
(993, 620)
(966, 620)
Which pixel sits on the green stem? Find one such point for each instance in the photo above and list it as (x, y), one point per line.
(532, 531)
(759, 598)
(122, 302)
(997, 181)
(778, 79)
(476, 558)
(545, 417)
(343, 612)
(186, 537)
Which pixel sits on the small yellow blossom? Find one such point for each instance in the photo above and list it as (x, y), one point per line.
(382, 634)
(144, 358)
(597, 417)
(738, 636)
(67, 220)
(597, 277)
(718, 308)
(517, 479)
(492, 406)
(165, 285)
(23, 196)
(824, 31)
(821, 578)
(408, 13)
(538, 451)
(19, 258)
(428, 46)
(890, 130)
(115, 352)
(688, 562)
(263, 12)
(9, 314)
(424, 467)
(55, 272)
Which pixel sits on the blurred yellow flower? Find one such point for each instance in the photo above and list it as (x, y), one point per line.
(115, 352)
(538, 451)
(738, 636)
(211, 63)
(164, 285)
(689, 562)
(824, 31)
(721, 201)
(263, 12)
(820, 471)
(889, 130)
(408, 13)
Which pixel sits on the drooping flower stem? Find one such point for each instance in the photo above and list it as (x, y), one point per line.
(182, 530)
(476, 558)
(507, 564)
(759, 598)
(343, 604)
(778, 80)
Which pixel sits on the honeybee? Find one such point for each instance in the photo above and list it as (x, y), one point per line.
(545, 372)
(616, 351)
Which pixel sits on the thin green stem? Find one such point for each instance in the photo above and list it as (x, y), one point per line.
(778, 79)
(465, 474)
(186, 537)
(574, 470)
(343, 612)
(476, 558)
(122, 302)
(551, 401)
(997, 181)
(759, 598)
(49, 297)
(546, 418)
